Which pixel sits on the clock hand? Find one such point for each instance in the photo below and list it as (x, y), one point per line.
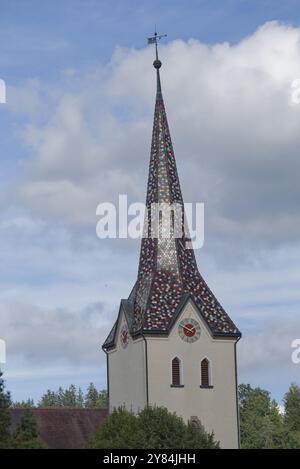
(188, 328)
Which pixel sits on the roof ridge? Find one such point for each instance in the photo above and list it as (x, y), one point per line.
(59, 408)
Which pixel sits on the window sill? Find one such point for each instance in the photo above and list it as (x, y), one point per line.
(206, 387)
(177, 385)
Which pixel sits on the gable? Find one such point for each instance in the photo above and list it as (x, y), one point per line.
(189, 310)
(124, 317)
(122, 322)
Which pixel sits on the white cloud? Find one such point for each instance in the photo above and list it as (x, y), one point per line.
(232, 121)
(271, 347)
(46, 336)
(236, 138)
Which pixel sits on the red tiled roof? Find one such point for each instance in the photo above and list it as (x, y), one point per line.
(63, 428)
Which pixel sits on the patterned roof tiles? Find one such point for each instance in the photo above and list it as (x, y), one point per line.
(167, 268)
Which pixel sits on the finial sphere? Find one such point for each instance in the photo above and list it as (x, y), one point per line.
(157, 64)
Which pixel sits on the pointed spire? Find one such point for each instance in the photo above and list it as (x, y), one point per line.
(168, 272)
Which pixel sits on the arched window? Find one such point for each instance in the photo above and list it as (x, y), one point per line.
(176, 372)
(205, 373)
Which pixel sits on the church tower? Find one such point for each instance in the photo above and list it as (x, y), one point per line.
(172, 344)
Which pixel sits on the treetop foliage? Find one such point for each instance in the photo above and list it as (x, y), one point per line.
(5, 403)
(70, 397)
(153, 427)
(262, 426)
(27, 434)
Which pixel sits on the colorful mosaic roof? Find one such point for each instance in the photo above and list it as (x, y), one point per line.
(167, 268)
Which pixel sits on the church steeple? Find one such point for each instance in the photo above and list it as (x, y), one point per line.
(167, 345)
(168, 274)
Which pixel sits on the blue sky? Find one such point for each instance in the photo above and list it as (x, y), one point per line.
(39, 39)
(76, 131)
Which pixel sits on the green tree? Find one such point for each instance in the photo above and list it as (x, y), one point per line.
(95, 398)
(71, 397)
(61, 397)
(102, 401)
(153, 427)
(261, 424)
(68, 397)
(27, 434)
(292, 408)
(80, 399)
(161, 429)
(91, 396)
(120, 430)
(292, 415)
(5, 403)
(29, 404)
(50, 399)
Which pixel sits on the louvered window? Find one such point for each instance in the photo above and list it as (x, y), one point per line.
(176, 378)
(205, 381)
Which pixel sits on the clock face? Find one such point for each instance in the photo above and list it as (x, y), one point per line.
(189, 330)
(124, 336)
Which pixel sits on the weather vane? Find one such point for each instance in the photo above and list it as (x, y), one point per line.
(155, 40)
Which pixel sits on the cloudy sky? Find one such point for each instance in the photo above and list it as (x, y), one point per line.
(76, 131)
